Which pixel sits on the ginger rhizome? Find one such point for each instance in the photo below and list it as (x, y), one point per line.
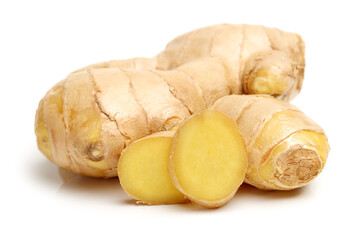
(256, 59)
(286, 149)
(103, 110)
(86, 120)
(208, 159)
(142, 170)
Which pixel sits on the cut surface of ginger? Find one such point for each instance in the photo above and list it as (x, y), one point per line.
(143, 174)
(208, 159)
(295, 161)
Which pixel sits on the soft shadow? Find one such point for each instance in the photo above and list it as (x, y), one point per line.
(196, 208)
(136, 203)
(109, 190)
(193, 207)
(131, 201)
(247, 190)
(47, 174)
(44, 172)
(188, 206)
(95, 187)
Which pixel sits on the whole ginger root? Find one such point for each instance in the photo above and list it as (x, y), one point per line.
(85, 121)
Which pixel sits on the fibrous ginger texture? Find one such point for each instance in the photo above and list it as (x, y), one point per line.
(85, 121)
(286, 149)
(208, 159)
(257, 59)
(98, 112)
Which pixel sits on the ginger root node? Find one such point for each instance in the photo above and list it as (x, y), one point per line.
(297, 167)
(95, 152)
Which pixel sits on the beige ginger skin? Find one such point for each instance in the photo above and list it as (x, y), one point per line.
(85, 121)
(257, 59)
(286, 149)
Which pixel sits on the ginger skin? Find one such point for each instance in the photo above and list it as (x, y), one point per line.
(286, 149)
(86, 120)
(245, 51)
(103, 110)
(42, 134)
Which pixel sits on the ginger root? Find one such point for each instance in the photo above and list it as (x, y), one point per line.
(142, 170)
(286, 149)
(86, 120)
(256, 59)
(208, 159)
(101, 111)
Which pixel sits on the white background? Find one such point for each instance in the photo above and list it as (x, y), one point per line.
(42, 41)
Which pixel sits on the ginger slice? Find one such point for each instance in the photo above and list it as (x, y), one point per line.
(208, 159)
(142, 170)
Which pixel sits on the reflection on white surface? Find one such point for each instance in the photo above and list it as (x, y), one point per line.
(77, 202)
(108, 191)
(102, 190)
(68, 184)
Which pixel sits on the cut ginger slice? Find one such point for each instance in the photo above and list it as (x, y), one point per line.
(142, 170)
(208, 159)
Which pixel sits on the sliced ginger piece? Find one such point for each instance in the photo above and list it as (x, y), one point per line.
(142, 170)
(208, 159)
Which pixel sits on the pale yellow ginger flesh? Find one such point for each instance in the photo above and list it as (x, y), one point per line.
(85, 121)
(286, 149)
(208, 159)
(266, 82)
(142, 170)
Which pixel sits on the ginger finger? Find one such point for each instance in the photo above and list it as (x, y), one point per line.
(271, 73)
(239, 48)
(286, 149)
